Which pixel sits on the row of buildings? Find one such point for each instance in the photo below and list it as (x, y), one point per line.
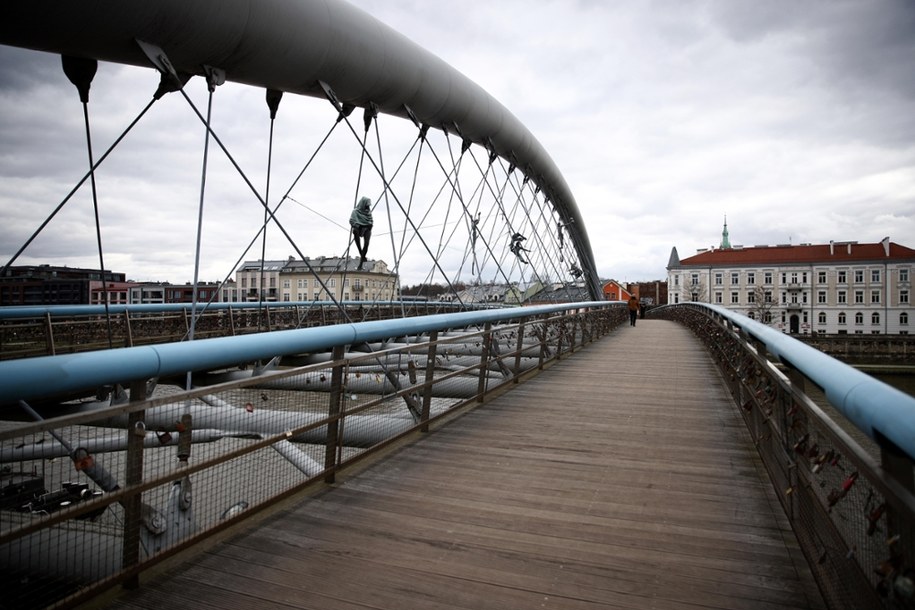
(285, 280)
(835, 288)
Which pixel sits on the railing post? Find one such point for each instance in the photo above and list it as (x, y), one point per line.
(562, 331)
(430, 373)
(136, 432)
(127, 328)
(518, 347)
(543, 348)
(333, 413)
(49, 333)
(484, 362)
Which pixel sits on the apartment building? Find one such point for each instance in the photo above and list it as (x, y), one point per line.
(317, 279)
(835, 288)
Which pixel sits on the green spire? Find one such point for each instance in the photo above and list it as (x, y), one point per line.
(725, 242)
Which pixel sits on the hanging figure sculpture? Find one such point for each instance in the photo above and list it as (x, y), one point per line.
(361, 222)
(517, 248)
(474, 232)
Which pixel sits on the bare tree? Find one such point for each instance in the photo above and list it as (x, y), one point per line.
(694, 291)
(761, 305)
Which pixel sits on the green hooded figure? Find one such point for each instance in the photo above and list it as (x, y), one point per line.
(361, 222)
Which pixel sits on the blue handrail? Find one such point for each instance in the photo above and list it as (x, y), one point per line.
(879, 410)
(31, 378)
(12, 312)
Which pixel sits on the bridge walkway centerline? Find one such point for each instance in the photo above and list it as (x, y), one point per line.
(622, 477)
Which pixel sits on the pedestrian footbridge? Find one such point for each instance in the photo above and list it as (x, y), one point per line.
(489, 460)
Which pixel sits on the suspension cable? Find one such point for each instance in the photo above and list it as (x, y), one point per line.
(273, 217)
(165, 86)
(80, 71)
(273, 102)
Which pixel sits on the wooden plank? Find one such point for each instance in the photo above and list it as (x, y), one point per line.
(622, 477)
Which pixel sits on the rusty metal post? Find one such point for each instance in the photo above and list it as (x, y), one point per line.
(430, 373)
(333, 413)
(484, 361)
(127, 328)
(518, 347)
(49, 334)
(543, 348)
(136, 432)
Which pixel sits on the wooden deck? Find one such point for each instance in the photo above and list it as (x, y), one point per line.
(622, 477)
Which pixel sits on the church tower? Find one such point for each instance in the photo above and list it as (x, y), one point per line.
(725, 242)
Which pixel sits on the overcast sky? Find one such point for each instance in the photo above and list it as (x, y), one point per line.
(794, 119)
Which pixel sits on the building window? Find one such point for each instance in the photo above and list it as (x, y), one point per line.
(859, 297)
(719, 279)
(767, 317)
(768, 296)
(735, 278)
(332, 282)
(286, 283)
(821, 277)
(859, 276)
(751, 278)
(821, 317)
(751, 297)
(694, 297)
(735, 298)
(302, 283)
(694, 280)
(875, 296)
(903, 297)
(841, 297)
(767, 277)
(244, 282)
(859, 318)
(821, 296)
(841, 277)
(875, 275)
(676, 279)
(904, 318)
(751, 315)
(903, 275)
(875, 318)
(842, 318)
(719, 298)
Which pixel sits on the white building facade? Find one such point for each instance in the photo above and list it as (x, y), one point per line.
(317, 279)
(834, 288)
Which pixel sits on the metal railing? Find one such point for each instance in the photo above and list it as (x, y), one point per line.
(97, 489)
(842, 465)
(30, 331)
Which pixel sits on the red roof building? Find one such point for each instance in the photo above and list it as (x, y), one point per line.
(834, 288)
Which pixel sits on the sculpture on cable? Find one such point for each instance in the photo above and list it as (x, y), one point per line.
(517, 247)
(361, 222)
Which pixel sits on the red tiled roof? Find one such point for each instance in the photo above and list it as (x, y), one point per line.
(775, 255)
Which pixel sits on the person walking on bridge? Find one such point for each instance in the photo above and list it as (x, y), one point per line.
(633, 310)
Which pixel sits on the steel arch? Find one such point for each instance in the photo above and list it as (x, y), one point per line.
(296, 46)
